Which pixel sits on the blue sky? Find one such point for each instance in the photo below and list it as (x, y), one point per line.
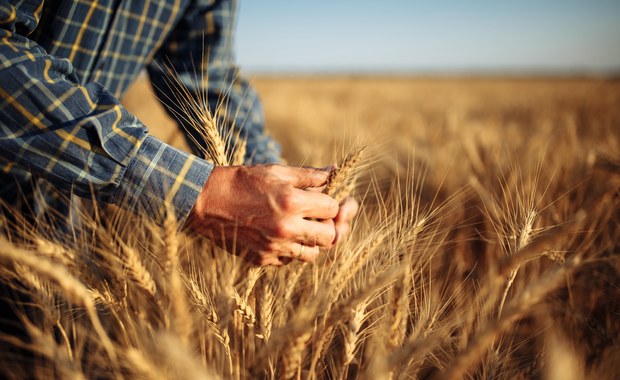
(441, 35)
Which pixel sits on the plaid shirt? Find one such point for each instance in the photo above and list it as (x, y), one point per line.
(64, 64)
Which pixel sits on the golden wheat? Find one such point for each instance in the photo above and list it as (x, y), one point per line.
(449, 271)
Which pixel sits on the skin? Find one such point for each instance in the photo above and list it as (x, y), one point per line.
(268, 211)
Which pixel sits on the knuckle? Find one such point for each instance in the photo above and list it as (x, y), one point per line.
(333, 207)
(329, 237)
(268, 168)
(274, 171)
(328, 233)
(281, 229)
(286, 200)
(325, 242)
(261, 172)
(271, 247)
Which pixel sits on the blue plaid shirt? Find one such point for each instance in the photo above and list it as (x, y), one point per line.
(65, 63)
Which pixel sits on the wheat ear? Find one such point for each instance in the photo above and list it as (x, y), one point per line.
(136, 271)
(211, 317)
(337, 178)
(399, 302)
(291, 363)
(351, 337)
(244, 309)
(266, 305)
(55, 252)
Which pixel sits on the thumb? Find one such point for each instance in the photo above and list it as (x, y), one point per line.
(305, 177)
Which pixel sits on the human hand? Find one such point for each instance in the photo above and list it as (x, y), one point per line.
(267, 212)
(348, 209)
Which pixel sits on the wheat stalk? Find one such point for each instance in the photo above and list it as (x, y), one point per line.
(240, 151)
(183, 323)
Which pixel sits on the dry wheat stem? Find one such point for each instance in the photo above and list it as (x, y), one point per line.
(240, 152)
(343, 309)
(55, 252)
(183, 322)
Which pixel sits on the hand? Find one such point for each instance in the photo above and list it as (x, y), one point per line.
(348, 209)
(267, 212)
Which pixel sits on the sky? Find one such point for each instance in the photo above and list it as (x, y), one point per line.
(423, 36)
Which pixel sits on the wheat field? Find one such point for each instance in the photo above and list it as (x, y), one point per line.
(487, 247)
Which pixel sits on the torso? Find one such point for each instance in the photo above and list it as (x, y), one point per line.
(107, 41)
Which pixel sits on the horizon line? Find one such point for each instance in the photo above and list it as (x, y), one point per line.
(465, 71)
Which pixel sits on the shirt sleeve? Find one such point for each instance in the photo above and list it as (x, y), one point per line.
(79, 137)
(200, 51)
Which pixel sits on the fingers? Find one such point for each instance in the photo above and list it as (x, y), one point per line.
(298, 251)
(332, 224)
(315, 205)
(317, 233)
(305, 253)
(312, 203)
(347, 210)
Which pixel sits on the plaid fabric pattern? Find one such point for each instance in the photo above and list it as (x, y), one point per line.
(64, 64)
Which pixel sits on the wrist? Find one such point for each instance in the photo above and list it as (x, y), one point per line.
(209, 204)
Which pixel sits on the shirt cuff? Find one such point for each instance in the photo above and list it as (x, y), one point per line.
(161, 178)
